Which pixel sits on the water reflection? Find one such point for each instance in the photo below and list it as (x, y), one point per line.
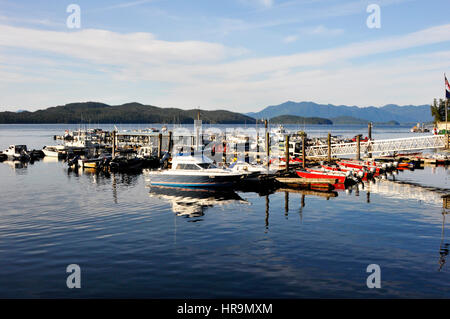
(192, 202)
(18, 167)
(406, 190)
(444, 246)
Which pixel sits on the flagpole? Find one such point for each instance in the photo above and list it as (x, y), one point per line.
(446, 106)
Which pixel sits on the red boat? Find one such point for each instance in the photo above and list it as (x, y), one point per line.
(319, 175)
(361, 139)
(363, 173)
(361, 165)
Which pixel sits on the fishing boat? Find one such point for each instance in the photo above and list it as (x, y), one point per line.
(55, 151)
(194, 171)
(17, 153)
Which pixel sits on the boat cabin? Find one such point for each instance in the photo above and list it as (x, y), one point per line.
(192, 163)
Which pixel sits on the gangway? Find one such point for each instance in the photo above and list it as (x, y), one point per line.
(379, 146)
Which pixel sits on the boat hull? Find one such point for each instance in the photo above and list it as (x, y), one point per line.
(324, 175)
(180, 180)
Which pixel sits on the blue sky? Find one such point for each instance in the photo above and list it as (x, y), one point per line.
(239, 55)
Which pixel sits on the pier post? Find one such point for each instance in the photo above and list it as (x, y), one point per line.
(369, 135)
(170, 145)
(358, 148)
(113, 152)
(304, 150)
(257, 147)
(286, 151)
(224, 149)
(159, 145)
(268, 148)
(329, 147)
(247, 149)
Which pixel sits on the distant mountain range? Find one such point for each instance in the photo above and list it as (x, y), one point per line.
(286, 113)
(95, 112)
(387, 113)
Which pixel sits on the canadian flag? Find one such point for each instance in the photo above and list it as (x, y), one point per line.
(447, 88)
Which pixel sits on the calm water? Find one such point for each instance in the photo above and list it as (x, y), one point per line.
(133, 241)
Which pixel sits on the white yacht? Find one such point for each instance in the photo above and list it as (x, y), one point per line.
(194, 171)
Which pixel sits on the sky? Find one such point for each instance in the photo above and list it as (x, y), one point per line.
(237, 55)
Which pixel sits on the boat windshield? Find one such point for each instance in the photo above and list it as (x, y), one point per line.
(207, 165)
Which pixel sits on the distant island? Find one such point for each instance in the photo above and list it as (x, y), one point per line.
(293, 119)
(350, 120)
(94, 112)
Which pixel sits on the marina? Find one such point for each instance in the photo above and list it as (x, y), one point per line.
(124, 214)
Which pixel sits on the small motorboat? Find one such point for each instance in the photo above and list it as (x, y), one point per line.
(371, 166)
(17, 153)
(250, 170)
(363, 173)
(314, 174)
(58, 151)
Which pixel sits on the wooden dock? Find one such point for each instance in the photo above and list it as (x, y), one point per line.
(298, 182)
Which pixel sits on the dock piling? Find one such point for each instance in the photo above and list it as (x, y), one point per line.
(114, 144)
(268, 149)
(247, 148)
(304, 150)
(329, 147)
(286, 151)
(358, 148)
(159, 145)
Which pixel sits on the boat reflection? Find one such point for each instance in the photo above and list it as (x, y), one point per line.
(444, 246)
(192, 202)
(18, 167)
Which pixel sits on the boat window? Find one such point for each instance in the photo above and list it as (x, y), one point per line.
(206, 165)
(188, 166)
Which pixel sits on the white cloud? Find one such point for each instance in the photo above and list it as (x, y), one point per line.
(259, 3)
(313, 31)
(215, 76)
(290, 38)
(128, 4)
(108, 47)
(321, 30)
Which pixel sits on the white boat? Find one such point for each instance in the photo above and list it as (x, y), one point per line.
(250, 169)
(55, 151)
(17, 152)
(194, 171)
